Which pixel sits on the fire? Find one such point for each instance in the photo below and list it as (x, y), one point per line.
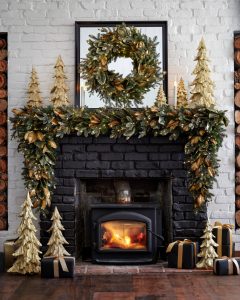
(123, 235)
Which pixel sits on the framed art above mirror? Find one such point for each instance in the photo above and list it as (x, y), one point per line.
(122, 65)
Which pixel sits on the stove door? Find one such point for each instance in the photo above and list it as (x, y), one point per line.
(123, 235)
(124, 232)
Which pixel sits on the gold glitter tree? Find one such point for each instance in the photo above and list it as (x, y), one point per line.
(27, 254)
(181, 94)
(202, 91)
(161, 98)
(34, 97)
(59, 92)
(56, 241)
(207, 253)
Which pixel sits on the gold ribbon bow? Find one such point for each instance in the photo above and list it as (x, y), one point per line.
(63, 264)
(231, 263)
(180, 250)
(219, 226)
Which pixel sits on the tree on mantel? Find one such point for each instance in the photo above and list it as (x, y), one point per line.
(202, 91)
(59, 92)
(34, 97)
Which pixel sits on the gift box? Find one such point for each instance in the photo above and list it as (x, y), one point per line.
(10, 246)
(2, 267)
(226, 266)
(53, 267)
(182, 254)
(223, 236)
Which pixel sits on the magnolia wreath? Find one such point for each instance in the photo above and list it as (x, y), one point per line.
(112, 43)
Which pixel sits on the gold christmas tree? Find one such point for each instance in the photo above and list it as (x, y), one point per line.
(59, 92)
(207, 253)
(161, 98)
(181, 94)
(202, 91)
(34, 97)
(56, 241)
(28, 260)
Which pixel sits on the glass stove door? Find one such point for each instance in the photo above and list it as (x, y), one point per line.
(123, 235)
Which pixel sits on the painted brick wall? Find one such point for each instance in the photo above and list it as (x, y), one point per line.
(39, 30)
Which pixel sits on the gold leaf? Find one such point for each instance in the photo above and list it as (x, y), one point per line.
(113, 123)
(44, 204)
(199, 201)
(40, 136)
(54, 121)
(201, 132)
(119, 87)
(103, 60)
(52, 144)
(154, 109)
(195, 139)
(45, 149)
(32, 137)
(153, 123)
(211, 171)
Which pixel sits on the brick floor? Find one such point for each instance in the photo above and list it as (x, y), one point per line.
(84, 268)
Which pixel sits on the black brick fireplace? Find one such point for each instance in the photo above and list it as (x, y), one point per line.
(87, 167)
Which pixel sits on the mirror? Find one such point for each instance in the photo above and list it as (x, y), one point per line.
(121, 65)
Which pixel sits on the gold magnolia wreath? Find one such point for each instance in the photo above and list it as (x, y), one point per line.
(107, 46)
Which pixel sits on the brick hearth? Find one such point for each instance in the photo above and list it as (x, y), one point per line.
(102, 157)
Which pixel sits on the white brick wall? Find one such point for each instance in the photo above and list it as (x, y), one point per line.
(39, 30)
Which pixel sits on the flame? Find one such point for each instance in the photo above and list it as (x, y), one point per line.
(123, 235)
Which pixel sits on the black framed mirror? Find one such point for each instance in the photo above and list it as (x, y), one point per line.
(150, 28)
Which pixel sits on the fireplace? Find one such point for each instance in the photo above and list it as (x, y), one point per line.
(86, 171)
(125, 233)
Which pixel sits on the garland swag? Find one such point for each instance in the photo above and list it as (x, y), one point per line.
(38, 131)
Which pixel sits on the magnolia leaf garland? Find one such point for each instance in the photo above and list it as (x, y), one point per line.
(121, 41)
(38, 131)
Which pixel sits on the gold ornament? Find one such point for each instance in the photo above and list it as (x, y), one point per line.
(27, 254)
(182, 100)
(161, 98)
(34, 98)
(207, 253)
(59, 95)
(56, 241)
(202, 91)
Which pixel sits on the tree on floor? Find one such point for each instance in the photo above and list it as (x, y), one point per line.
(27, 255)
(202, 91)
(207, 253)
(59, 92)
(56, 241)
(181, 94)
(34, 97)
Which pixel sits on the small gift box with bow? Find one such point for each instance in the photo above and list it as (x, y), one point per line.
(182, 254)
(10, 246)
(57, 267)
(223, 237)
(226, 266)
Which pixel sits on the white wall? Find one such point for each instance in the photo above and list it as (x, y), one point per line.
(40, 30)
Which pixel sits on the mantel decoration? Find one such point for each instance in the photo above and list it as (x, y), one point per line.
(112, 87)
(39, 129)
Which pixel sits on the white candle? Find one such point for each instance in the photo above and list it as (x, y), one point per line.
(175, 93)
(82, 100)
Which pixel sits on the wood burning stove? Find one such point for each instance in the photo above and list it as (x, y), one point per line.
(124, 233)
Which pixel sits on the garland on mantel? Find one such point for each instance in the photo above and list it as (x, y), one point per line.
(38, 131)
